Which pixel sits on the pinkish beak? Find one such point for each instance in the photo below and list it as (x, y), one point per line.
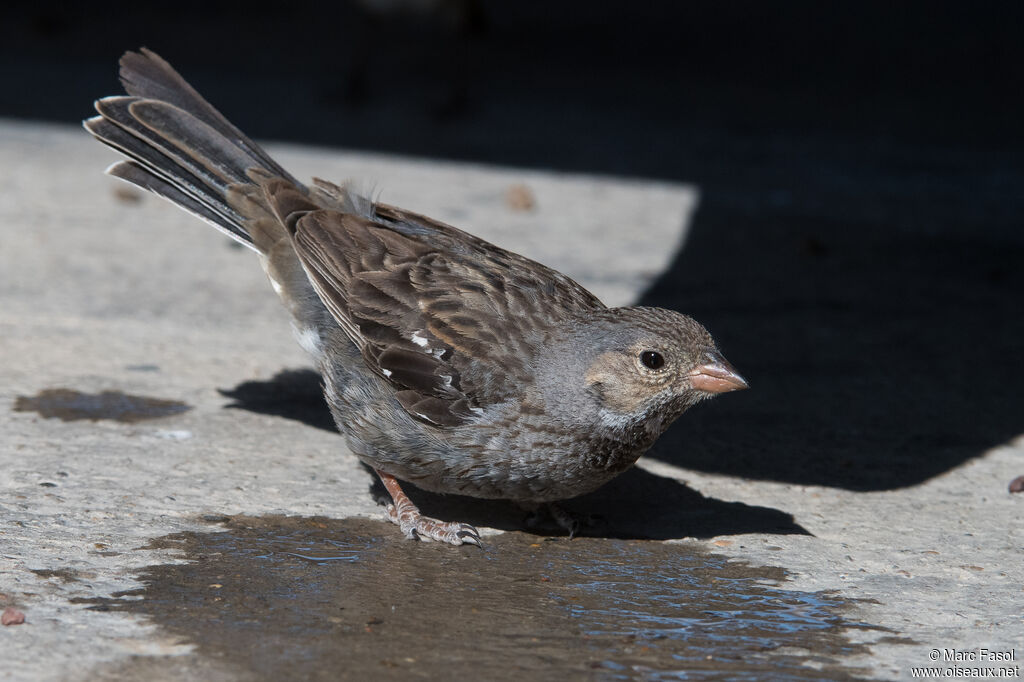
(717, 376)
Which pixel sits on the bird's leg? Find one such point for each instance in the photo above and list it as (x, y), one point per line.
(415, 526)
(565, 519)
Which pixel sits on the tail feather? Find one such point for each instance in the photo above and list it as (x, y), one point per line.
(145, 74)
(192, 142)
(183, 149)
(154, 170)
(140, 176)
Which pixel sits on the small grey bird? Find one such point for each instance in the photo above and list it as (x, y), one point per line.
(447, 362)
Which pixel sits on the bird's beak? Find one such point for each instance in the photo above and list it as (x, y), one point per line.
(717, 376)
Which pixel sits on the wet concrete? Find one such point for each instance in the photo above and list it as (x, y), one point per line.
(314, 598)
(70, 405)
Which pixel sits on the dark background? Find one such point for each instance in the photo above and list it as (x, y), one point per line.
(859, 243)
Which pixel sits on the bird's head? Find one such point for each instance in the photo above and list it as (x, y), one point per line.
(646, 366)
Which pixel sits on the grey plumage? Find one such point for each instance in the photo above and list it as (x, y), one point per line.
(448, 362)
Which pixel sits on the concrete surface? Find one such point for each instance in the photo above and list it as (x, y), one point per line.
(104, 291)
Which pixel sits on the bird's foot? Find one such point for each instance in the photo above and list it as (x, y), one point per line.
(415, 526)
(565, 519)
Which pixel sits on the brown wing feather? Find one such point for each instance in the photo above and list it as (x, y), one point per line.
(432, 307)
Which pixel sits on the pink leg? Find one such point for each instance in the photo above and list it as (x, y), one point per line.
(418, 527)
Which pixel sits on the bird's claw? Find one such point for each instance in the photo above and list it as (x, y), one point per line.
(415, 526)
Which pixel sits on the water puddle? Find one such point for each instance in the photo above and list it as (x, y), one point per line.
(70, 405)
(322, 599)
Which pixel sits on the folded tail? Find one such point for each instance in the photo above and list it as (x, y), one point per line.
(183, 149)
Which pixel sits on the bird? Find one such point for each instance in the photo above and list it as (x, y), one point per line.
(447, 362)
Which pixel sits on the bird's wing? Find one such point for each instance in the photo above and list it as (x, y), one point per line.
(448, 319)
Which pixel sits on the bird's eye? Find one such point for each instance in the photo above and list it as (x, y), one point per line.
(652, 359)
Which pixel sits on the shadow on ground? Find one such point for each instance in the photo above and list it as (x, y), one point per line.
(878, 319)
